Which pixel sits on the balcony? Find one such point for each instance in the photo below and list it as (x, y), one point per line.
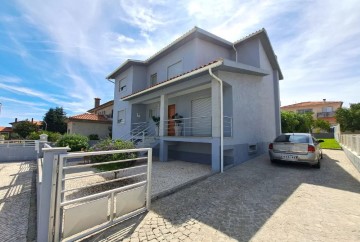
(325, 114)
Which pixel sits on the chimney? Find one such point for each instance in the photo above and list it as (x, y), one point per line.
(324, 99)
(15, 120)
(97, 102)
(32, 120)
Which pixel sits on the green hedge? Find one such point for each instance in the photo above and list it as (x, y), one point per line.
(52, 136)
(76, 142)
(109, 144)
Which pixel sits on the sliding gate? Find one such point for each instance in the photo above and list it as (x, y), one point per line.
(92, 196)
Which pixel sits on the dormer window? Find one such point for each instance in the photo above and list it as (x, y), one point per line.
(122, 85)
(153, 79)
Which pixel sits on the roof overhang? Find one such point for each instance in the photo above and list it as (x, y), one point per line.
(220, 65)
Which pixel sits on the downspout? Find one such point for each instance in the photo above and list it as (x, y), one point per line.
(221, 121)
(235, 52)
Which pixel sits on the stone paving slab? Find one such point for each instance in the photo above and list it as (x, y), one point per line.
(15, 193)
(256, 201)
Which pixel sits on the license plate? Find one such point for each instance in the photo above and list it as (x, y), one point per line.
(289, 157)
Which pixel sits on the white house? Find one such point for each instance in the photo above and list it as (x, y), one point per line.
(225, 95)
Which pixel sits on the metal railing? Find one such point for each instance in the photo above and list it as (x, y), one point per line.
(17, 143)
(325, 114)
(196, 126)
(351, 141)
(104, 207)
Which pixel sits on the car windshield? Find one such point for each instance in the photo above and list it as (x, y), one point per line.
(292, 138)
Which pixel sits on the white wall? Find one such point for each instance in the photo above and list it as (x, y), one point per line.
(87, 128)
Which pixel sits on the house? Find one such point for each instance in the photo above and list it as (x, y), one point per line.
(324, 110)
(218, 101)
(97, 121)
(38, 123)
(6, 131)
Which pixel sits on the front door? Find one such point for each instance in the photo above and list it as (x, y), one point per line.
(171, 123)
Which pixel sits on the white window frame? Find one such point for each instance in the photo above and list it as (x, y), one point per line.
(176, 63)
(121, 121)
(121, 84)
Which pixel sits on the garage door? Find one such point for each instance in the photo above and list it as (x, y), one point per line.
(201, 113)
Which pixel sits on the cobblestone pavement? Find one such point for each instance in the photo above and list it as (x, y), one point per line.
(256, 201)
(15, 193)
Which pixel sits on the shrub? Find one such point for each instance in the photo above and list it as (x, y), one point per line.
(76, 142)
(93, 137)
(52, 136)
(109, 144)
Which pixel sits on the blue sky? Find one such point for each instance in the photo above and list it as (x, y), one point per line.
(57, 53)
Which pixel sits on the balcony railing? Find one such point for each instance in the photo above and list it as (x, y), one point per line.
(195, 126)
(325, 114)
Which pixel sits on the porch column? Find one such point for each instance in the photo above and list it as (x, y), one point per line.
(163, 152)
(215, 123)
(163, 115)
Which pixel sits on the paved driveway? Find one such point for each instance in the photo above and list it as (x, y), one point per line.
(257, 201)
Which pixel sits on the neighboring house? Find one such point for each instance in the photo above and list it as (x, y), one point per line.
(6, 131)
(324, 110)
(186, 78)
(105, 109)
(38, 123)
(89, 123)
(97, 121)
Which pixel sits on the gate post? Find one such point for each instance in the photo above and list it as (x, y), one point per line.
(46, 203)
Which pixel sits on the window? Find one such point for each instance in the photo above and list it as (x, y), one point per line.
(122, 85)
(252, 149)
(174, 70)
(301, 111)
(121, 117)
(153, 79)
(327, 109)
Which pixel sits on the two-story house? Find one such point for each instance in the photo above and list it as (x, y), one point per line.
(324, 110)
(218, 101)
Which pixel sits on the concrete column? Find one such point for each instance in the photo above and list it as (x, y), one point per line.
(215, 108)
(277, 102)
(215, 155)
(163, 153)
(46, 202)
(163, 115)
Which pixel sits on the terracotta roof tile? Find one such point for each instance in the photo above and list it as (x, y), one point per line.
(6, 129)
(182, 74)
(308, 104)
(89, 116)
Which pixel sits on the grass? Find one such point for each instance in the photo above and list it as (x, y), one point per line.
(330, 144)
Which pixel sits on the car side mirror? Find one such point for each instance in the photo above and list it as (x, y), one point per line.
(320, 141)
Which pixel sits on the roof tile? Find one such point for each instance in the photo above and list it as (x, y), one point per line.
(89, 116)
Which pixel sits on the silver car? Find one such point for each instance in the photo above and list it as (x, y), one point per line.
(296, 147)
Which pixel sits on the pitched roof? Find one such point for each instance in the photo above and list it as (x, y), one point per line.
(5, 129)
(89, 117)
(308, 104)
(202, 34)
(265, 41)
(38, 123)
(109, 103)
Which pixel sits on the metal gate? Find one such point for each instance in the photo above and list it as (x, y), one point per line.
(88, 200)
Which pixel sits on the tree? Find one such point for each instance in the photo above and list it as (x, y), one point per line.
(349, 118)
(24, 128)
(54, 120)
(302, 123)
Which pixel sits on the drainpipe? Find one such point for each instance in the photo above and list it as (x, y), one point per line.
(221, 121)
(235, 52)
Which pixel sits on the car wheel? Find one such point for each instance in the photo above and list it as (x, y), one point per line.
(317, 165)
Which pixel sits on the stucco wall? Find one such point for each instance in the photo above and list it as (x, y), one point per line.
(207, 52)
(249, 53)
(87, 128)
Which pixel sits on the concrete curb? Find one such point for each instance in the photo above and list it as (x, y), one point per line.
(180, 187)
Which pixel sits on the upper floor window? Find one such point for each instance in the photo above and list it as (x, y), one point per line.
(301, 111)
(174, 70)
(122, 85)
(121, 117)
(327, 109)
(153, 79)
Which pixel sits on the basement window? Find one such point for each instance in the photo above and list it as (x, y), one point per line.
(252, 149)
